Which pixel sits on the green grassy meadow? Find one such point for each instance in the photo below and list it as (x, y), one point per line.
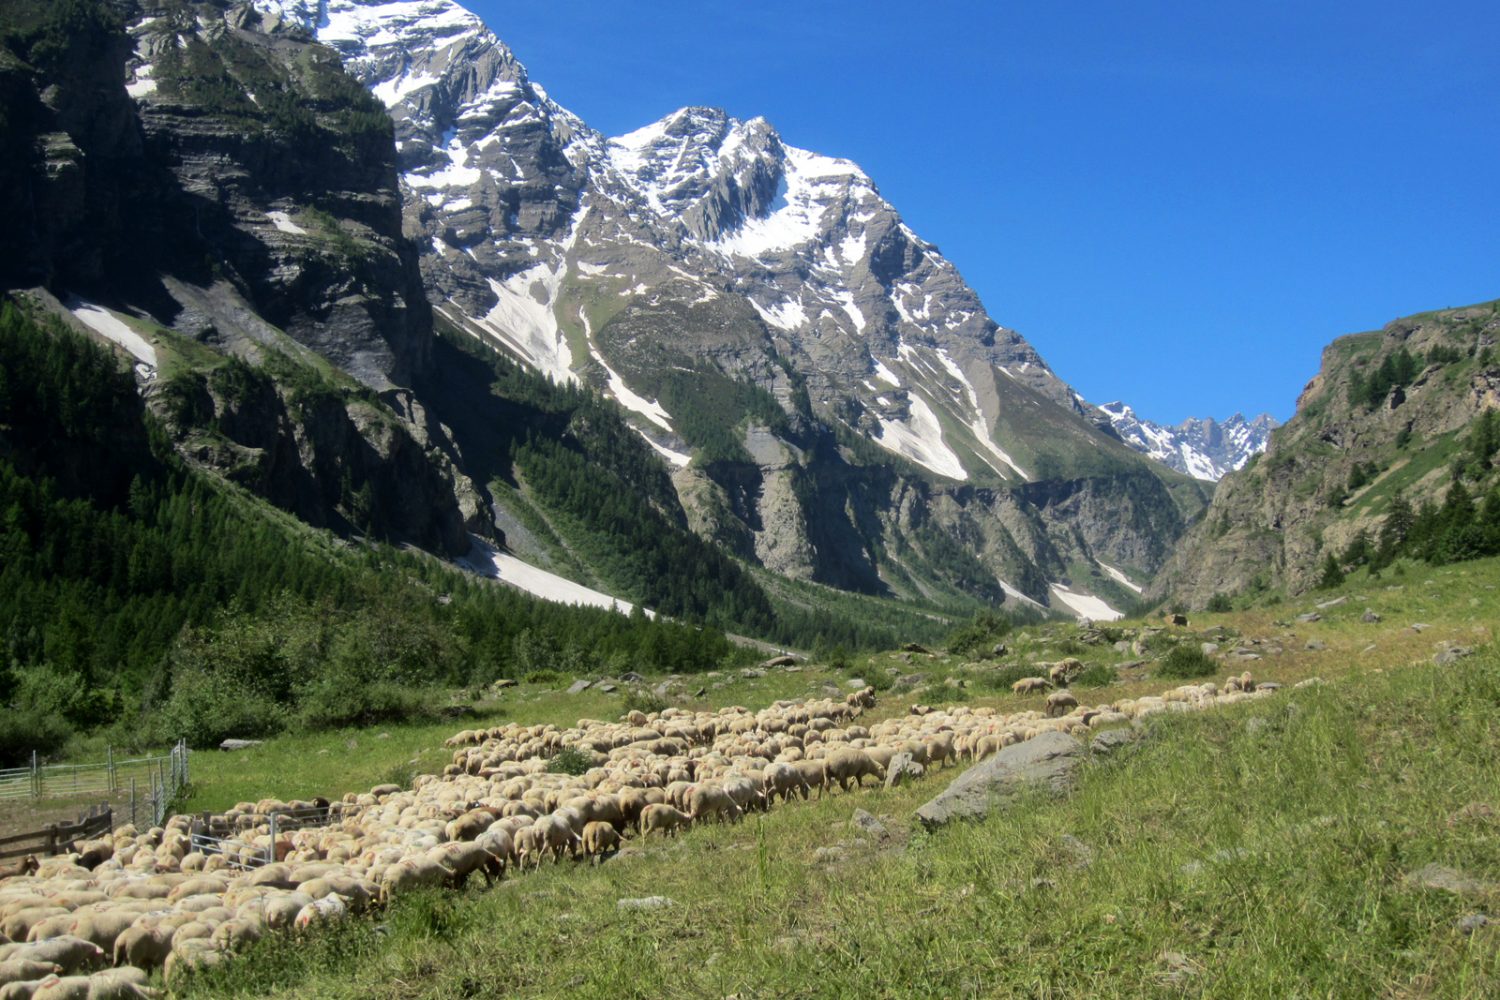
(1258, 851)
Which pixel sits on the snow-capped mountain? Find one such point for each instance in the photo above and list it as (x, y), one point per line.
(529, 217)
(1204, 449)
(677, 265)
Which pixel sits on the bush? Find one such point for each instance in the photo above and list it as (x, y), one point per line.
(1095, 676)
(22, 731)
(1187, 662)
(334, 705)
(987, 628)
(1220, 603)
(542, 677)
(644, 700)
(399, 774)
(207, 708)
(570, 760)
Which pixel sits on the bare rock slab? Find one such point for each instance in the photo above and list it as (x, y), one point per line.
(1048, 760)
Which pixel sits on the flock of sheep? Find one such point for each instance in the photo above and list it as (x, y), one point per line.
(143, 900)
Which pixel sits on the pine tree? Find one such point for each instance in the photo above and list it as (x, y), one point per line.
(1333, 573)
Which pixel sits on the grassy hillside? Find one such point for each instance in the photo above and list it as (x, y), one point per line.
(1265, 850)
(1391, 412)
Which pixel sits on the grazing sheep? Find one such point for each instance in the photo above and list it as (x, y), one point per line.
(499, 845)
(784, 779)
(143, 946)
(711, 800)
(321, 911)
(529, 843)
(20, 970)
(462, 858)
(71, 953)
(1059, 703)
(844, 765)
(941, 748)
(1030, 685)
(558, 836)
(411, 873)
(814, 775)
(600, 838)
(663, 817)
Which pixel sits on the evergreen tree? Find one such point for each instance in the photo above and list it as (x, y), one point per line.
(1333, 573)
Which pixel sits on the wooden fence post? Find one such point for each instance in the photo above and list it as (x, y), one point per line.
(109, 759)
(36, 778)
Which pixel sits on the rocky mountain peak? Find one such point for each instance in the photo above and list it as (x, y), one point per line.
(703, 168)
(1203, 448)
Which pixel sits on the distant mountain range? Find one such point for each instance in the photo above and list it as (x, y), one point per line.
(1202, 448)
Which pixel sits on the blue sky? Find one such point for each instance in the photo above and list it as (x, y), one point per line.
(1177, 203)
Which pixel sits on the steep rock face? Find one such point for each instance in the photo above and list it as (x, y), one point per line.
(700, 268)
(285, 173)
(1385, 413)
(186, 178)
(1201, 448)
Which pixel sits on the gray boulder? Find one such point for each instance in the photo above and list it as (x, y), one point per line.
(862, 820)
(1108, 741)
(646, 903)
(579, 686)
(1048, 760)
(900, 768)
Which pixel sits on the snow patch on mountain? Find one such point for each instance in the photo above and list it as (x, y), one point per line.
(1095, 609)
(920, 438)
(111, 327)
(486, 560)
(1119, 577)
(524, 323)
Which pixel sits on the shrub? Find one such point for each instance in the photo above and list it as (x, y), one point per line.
(541, 677)
(570, 760)
(333, 705)
(1095, 676)
(207, 708)
(1187, 662)
(1332, 575)
(644, 700)
(22, 731)
(1220, 603)
(987, 628)
(399, 774)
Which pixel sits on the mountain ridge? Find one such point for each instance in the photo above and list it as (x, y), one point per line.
(1203, 448)
(700, 248)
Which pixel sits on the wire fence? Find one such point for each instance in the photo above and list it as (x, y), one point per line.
(260, 840)
(150, 782)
